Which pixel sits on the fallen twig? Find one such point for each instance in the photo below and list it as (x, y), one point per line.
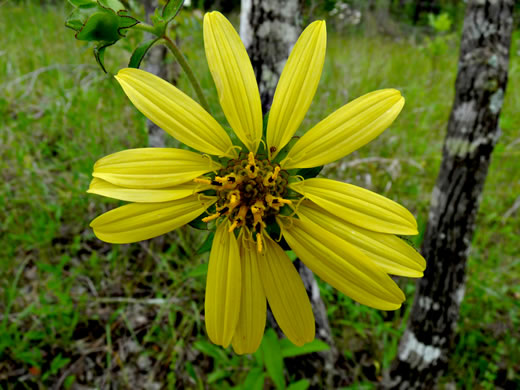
(512, 209)
(141, 301)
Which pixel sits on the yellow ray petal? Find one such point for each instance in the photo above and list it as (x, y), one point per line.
(175, 112)
(391, 254)
(251, 322)
(341, 265)
(358, 206)
(297, 86)
(144, 195)
(223, 287)
(286, 294)
(152, 167)
(141, 221)
(234, 78)
(345, 130)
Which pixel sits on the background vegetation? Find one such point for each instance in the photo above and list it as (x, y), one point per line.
(78, 312)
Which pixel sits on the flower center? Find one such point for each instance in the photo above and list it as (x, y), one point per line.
(250, 192)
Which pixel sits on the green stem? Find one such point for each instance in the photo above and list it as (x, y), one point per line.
(186, 67)
(145, 27)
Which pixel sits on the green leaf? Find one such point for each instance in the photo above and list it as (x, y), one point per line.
(79, 3)
(191, 371)
(171, 9)
(58, 362)
(264, 127)
(139, 53)
(114, 5)
(200, 270)
(156, 18)
(198, 224)
(283, 153)
(273, 358)
(291, 255)
(302, 384)
(309, 173)
(79, 16)
(69, 381)
(218, 375)
(100, 26)
(211, 350)
(288, 349)
(101, 22)
(206, 245)
(99, 53)
(255, 379)
(259, 357)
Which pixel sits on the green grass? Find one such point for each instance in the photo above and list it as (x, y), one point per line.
(63, 320)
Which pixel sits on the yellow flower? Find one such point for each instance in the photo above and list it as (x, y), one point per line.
(343, 233)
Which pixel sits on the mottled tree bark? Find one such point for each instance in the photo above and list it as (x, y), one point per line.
(425, 348)
(155, 63)
(269, 30)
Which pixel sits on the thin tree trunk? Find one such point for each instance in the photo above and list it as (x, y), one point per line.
(269, 30)
(473, 131)
(155, 63)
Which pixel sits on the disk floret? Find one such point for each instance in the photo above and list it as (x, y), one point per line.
(250, 193)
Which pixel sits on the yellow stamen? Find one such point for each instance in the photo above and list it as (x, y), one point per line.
(258, 212)
(233, 225)
(276, 172)
(202, 181)
(270, 179)
(210, 217)
(228, 182)
(258, 207)
(240, 219)
(251, 167)
(276, 201)
(251, 158)
(259, 246)
(269, 199)
(234, 201)
(231, 178)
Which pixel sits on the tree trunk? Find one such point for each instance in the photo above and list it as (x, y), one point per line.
(269, 30)
(154, 63)
(424, 350)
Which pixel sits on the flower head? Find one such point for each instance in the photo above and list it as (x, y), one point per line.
(253, 193)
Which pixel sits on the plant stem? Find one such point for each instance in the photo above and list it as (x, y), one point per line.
(186, 67)
(146, 27)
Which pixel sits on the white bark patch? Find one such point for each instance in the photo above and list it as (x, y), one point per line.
(425, 303)
(315, 291)
(461, 147)
(459, 294)
(246, 32)
(458, 146)
(436, 193)
(437, 198)
(269, 79)
(466, 113)
(495, 104)
(493, 61)
(417, 354)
